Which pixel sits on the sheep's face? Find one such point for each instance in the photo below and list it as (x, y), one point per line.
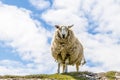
(63, 30)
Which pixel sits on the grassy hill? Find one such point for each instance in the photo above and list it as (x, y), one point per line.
(64, 76)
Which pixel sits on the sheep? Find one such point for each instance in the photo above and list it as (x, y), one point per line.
(66, 48)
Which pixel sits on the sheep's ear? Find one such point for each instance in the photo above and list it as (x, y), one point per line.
(70, 26)
(57, 26)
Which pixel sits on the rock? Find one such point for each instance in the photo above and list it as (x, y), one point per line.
(117, 75)
(100, 75)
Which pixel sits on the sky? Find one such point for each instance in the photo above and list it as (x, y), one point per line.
(27, 28)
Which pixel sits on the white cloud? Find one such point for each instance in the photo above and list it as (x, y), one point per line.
(10, 67)
(102, 47)
(110, 11)
(40, 4)
(28, 38)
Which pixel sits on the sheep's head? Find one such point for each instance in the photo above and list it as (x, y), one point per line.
(63, 30)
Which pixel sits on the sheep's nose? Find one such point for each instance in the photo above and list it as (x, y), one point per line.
(63, 35)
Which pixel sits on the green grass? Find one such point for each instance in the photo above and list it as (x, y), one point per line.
(9, 76)
(41, 76)
(110, 75)
(62, 76)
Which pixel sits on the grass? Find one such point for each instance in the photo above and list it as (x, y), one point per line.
(63, 76)
(110, 75)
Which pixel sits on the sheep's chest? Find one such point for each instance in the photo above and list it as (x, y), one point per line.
(63, 51)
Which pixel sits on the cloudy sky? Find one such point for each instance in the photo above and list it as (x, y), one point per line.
(27, 27)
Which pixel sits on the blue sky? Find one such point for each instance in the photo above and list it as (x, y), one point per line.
(27, 28)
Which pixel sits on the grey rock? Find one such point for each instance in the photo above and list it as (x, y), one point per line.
(117, 75)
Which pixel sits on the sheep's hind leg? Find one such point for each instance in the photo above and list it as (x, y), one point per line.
(58, 68)
(77, 67)
(83, 60)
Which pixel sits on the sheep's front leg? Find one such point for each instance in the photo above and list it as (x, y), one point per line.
(58, 68)
(64, 68)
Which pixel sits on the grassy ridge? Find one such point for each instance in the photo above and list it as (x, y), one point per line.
(44, 76)
(63, 76)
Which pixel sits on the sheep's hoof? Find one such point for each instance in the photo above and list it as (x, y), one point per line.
(58, 72)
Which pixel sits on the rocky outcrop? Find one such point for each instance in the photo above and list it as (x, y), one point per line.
(94, 76)
(117, 75)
